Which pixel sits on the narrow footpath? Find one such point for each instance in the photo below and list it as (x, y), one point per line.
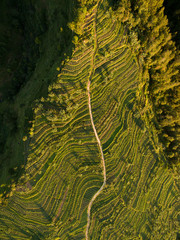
(93, 126)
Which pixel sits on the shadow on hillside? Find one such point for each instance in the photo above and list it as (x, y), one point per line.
(47, 41)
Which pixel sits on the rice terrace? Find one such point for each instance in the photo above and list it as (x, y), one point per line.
(89, 120)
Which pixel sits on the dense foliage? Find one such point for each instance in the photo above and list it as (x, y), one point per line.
(147, 21)
(28, 62)
(63, 169)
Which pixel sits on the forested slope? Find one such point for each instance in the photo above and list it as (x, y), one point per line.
(28, 62)
(63, 169)
(159, 57)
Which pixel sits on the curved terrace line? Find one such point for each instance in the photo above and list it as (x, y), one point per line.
(94, 128)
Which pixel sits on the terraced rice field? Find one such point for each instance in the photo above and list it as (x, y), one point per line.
(64, 167)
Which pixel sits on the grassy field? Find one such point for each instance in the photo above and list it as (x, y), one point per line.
(63, 169)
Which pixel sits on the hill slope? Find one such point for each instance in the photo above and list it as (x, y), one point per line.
(64, 168)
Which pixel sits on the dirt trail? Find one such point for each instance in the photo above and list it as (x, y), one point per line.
(93, 126)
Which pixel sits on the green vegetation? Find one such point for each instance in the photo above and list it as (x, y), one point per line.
(160, 89)
(62, 161)
(27, 66)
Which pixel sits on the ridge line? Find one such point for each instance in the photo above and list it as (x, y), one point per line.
(93, 126)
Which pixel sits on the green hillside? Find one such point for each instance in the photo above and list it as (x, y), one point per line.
(28, 62)
(63, 161)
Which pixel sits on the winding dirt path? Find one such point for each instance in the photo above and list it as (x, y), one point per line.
(93, 126)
